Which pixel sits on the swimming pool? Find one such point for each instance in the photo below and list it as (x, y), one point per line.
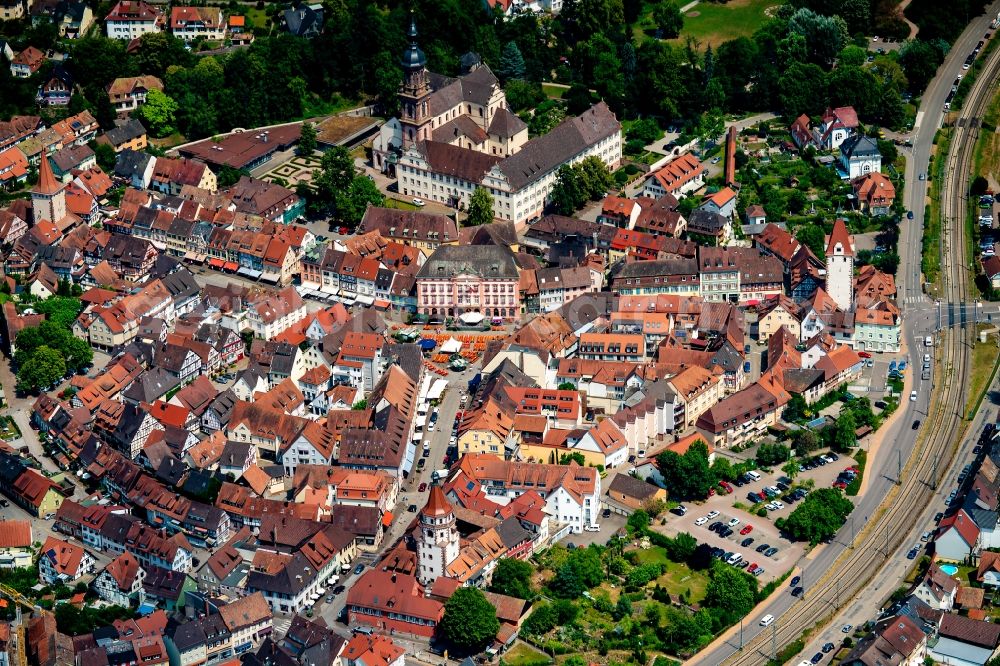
(949, 569)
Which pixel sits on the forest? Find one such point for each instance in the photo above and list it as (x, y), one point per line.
(811, 54)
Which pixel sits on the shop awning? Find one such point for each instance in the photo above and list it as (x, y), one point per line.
(365, 300)
(216, 263)
(230, 266)
(386, 519)
(381, 304)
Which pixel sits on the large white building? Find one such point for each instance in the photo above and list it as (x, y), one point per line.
(455, 136)
(131, 19)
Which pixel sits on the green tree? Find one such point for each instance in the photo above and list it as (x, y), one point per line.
(920, 61)
(469, 621)
(513, 578)
(638, 522)
(335, 175)
(844, 436)
(105, 155)
(769, 455)
(688, 476)
(790, 469)
(806, 441)
(307, 141)
(595, 178)
(797, 408)
(812, 236)
(46, 366)
(158, 113)
(567, 194)
(979, 186)
(667, 17)
(542, 620)
(730, 591)
(480, 207)
(229, 176)
(576, 457)
(353, 203)
(802, 89)
(818, 517)
(623, 608)
(61, 311)
(825, 36)
(511, 62)
(682, 547)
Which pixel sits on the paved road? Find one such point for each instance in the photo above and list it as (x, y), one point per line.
(920, 318)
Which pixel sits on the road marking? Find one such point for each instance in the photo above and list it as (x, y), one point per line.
(916, 122)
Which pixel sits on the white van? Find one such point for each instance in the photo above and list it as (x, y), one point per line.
(753, 475)
(734, 559)
(766, 620)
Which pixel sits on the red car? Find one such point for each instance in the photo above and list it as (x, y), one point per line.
(840, 484)
(727, 486)
(422, 488)
(711, 492)
(746, 530)
(864, 354)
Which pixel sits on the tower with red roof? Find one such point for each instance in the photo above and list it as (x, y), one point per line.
(439, 542)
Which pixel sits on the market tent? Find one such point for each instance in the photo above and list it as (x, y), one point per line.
(471, 318)
(428, 344)
(451, 346)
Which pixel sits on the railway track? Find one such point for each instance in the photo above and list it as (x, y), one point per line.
(896, 517)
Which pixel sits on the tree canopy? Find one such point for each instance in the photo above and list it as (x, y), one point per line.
(480, 207)
(818, 517)
(469, 621)
(513, 578)
(688, 476)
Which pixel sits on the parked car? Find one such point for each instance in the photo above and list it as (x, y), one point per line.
(701, 521)
(712, 514)
(422, 487)
(746, 530)
(746, 543)
(358, 569)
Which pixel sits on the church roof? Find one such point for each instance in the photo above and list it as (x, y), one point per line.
(47, 183)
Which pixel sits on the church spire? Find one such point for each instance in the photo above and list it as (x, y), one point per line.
(413, 57)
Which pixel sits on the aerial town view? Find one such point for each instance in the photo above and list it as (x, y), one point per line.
(507, 332)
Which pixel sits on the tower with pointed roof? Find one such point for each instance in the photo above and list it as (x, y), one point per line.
(48, 196)
(840, 266)
(438, 544)
(414, 96)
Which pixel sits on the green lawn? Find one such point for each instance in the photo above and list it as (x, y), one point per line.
(398, 204)
(714, 23)
(678, 578)
(984, 358)
(523, 654)
(553, 91)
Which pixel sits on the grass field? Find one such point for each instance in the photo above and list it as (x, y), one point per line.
(553, 91)
(984, 358)
(678, 578)
(714, 23)
(523, 654)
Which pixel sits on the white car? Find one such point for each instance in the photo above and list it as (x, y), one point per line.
(734, 522)
(771, 506)
(767, 620)
(712, 514)
(778, 505)
(913, 396)
(592, 528)
(418, 202)
(701, 521)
